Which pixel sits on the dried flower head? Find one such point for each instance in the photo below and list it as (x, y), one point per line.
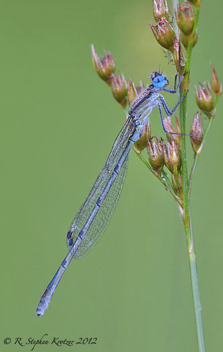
(141, 143)
(215, 83)
(105, 66)
(196, 131)
(164, 33)
(172, 156)
(119, 89)
(185, 17)
(160, 9)
(204, 99)
(155, 155)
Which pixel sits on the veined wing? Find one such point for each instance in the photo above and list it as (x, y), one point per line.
(106, 210)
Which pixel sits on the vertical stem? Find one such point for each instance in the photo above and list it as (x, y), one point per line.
(186, 204)
(196, 295)
(189, 233)
(183, 108)
(197, 302)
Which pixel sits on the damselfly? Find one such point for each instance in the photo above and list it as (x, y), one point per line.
(98, 207)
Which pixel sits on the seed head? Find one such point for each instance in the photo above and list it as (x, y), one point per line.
(141, 143)
(155, 155)
(178, 184)
(179, 57)
(204, 99)
(197, 131)
(215, 83)
(164, 33)
(119, 87)
(160, 9)
(169, 128)
(105, 67)
(132, 92)
(172, 157)
(185, 17)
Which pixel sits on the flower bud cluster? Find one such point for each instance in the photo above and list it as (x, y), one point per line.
(105, 68)
(204, 96)
(124, 92)
(169, 155)
(160, 154)
(164, 32)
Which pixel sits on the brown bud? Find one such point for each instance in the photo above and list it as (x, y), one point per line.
(119, 89)
(160, 9)
(179, 57)
(169, 128)
(164, 33)
(178, 184)
(155, 155)
(141, 143)
(204, 99)
(185, 17)
(105, 67)
(196, 131)
(132, 92)
(172, 157)
(215, 83)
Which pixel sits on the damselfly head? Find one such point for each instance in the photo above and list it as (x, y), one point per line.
(159, 81)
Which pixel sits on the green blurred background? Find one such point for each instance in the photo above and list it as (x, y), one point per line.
(58, 123)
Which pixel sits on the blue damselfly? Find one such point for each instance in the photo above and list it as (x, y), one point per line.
(97, 209)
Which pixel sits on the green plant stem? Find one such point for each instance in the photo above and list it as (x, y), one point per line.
(197, 304)
(196, 294)
(189, 233)
(186, 204)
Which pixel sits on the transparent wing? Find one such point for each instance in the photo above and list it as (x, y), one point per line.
(106, 210)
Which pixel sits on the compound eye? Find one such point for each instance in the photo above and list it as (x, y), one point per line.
(159, 81)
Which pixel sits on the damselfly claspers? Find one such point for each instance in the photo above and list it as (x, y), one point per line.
(97, 209)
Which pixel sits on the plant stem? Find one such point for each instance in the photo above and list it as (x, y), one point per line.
(189, 233)
(186, 204)
(197, 302)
